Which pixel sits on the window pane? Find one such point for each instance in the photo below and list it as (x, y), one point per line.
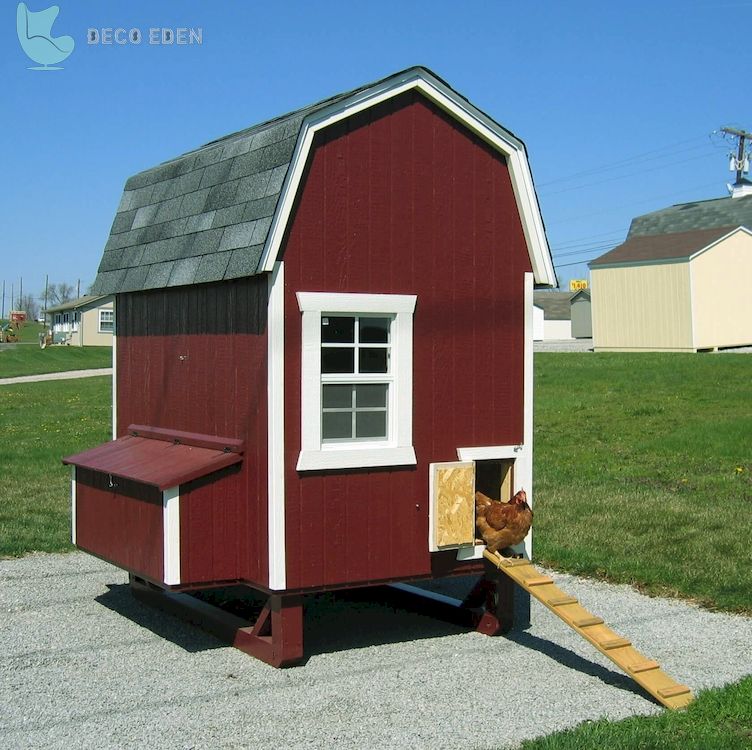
(336, 330)
(337, 360)
(336, 424)
(374, 330)
(372, 360)
(370, 395)
(370, 424)
(337, 397)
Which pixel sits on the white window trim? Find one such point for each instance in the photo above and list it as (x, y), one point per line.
(398, 449)
(107, 330)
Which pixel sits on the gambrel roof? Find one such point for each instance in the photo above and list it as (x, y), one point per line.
(220, 212)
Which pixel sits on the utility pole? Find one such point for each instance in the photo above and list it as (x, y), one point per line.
(741, 158)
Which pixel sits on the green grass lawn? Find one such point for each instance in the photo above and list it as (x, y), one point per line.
(29, 332)
(718, 720)
(41, 423)
(643, 471)
(29, 359)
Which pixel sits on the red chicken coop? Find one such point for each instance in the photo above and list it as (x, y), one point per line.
(323, 349)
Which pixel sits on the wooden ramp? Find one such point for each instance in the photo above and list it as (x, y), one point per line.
(643, 671)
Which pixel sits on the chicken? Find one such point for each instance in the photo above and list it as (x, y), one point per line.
(500, 524)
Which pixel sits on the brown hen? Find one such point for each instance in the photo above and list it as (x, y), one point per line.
(500, 524)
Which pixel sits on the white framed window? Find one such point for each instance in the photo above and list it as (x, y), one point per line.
(356, 372)
(106, 321)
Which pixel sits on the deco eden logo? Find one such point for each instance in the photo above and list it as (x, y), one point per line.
(35, 35)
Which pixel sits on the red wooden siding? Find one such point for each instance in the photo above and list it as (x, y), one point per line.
(402, 200)
(195, 359)
(108, 519)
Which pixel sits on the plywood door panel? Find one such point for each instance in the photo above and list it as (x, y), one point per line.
(453, 504)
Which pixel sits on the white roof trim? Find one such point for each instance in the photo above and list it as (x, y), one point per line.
(462, 111)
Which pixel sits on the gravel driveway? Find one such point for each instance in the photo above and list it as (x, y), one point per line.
(83, 665)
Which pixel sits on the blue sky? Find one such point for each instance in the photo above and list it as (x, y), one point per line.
(616, 102)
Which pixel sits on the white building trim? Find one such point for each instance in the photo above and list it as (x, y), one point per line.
(462, 111)
(397, 449)
(171, 529)
(276, 427)
(73, 504)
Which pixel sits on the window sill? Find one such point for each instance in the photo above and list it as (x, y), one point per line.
(355, 458)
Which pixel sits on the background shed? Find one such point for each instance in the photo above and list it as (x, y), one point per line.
(680, 282)
(556, 315)
(582, 319)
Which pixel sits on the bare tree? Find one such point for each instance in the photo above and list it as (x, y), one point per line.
(58, 294)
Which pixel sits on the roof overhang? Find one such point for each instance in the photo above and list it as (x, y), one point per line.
(160, 458)
(595, 266)
(460, 109)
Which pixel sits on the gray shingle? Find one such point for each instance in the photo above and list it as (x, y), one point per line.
(276, 180)
(134, 279)
(260, 231)
(207, 156)
(187, 183)
(212, 267)
(253, 187)
(237, 147)
(237, 235)
(109, 282)
(199, 222)
(279, 153)
(125, 201)
(123, 221)
(226, 216)
(216, 174)
(141, 197)
(193, 203)
(158, 275)
(132, 256)
(124, 239)
(164, 250)
(152, 233)
(145, 216)
(222, 195)
(269, 135)
(205, 243)
(175, 228)
(184, 271)
(111, 259)
(260, 208)
(169, 209)
(243, 262)
(245, 165)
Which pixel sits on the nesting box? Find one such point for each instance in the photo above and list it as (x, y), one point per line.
(314, 318)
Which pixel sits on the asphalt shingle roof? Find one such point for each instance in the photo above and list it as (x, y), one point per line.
(662, 246)
(204, 216)
(555, 305)
(687, 217)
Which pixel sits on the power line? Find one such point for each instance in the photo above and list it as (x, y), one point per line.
(629, 174)
(662, 152)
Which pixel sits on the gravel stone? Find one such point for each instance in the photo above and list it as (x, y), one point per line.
(84, 665)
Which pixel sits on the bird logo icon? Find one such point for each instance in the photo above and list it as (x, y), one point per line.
(35, 35)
